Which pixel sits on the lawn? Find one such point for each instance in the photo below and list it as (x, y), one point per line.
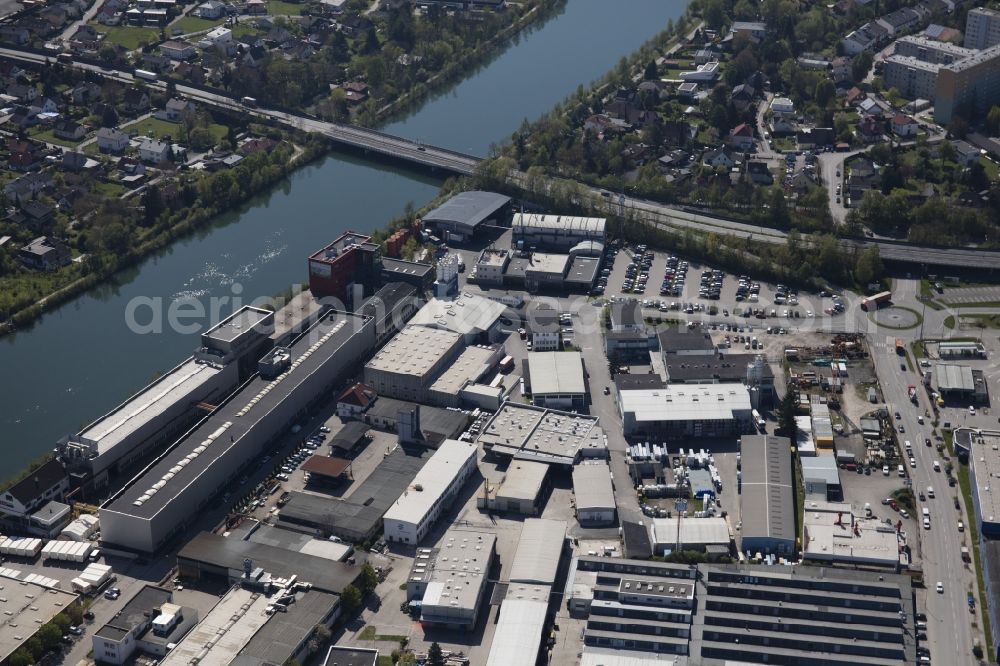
(108, 190)
(990, 167)
(281, 8)
(129, 37)
(155, 127)
(191, 24)
(47, 136)
(783, 143)
(241, 29)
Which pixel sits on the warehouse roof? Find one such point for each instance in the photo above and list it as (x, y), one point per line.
(349, 436)
(583, 270)
(674, 339)
(466, 314)
(134, 613)
(768, 499)
(415, 350)
(147, 405)
(360, 513)
(278, 640)
(551, 264)
(519, 626)
(539, 550)
(592, 486)
(467, 209)
(955, 377)
(676, 533)
(691, 402)
(325, 466)
(533, 433)
(25, 608)
(524, 480)
(556, 373)
(985, 460)
(339, 655)
(558, 223)
(431, 482)
(238, 323)
(215, 639)
(820, 468)
(831, 532)
(229, 553)
(436, 424)
(149, 492)
(469, 366)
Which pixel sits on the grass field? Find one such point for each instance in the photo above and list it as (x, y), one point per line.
(129, 37)
(195, 24)
(48, 137)
(281, 8)
(155, 127)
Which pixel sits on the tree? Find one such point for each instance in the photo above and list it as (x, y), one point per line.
(153, 203)
(49, 636)
(650, 72)
(946, 151)
(824, 92)
(993, 119)
(351, 600)
(861, 65)
(371, 42)
(786, 416)
(868, 268)
(435, 657)
(369, 578)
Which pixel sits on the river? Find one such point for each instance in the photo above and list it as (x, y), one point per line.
(81, 359)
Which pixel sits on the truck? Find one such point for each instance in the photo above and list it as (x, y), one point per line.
(900, 347)
(911, 390)
(249, 102)
(145, 74)
(876, 301)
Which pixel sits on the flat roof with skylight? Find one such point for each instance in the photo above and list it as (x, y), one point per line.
(545, 435)
(416, 351)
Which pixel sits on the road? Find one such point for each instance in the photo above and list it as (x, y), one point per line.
(949, 622)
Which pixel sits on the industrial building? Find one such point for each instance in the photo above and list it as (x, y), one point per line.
(524, 432)
(458, 218)
(727, 369)
(409, 363)
(357, 517)
(961, 384)
(556, 233)
(391, 307)
(556, 380)
(491, 266)
(594, 493)
(767, 498)
(26, 608)
(626, 316)
(687, 411)
(351, 259)
(475, 318)
(33, 493)
(449, 582)
(415, 273)
(153, 417)
(628, 346)
(543, 329)
(160, 501)
(961, 349)
(210, 555)
(470, 367)
(149, 623)
(338, 655)
(642, 607)
(522, 489)
(433, 488)
(710, 535)
(832, 533)
(685, 342)
(797, 615)
(421, 424)
(531, 574)
(984, 467)
(821, 478)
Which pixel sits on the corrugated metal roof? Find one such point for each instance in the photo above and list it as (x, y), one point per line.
(538, 552)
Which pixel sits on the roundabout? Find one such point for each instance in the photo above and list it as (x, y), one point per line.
(896, 317)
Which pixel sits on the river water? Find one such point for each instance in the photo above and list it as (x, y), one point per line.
(81, 359)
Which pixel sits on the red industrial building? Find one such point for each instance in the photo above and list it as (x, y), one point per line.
(350, 259)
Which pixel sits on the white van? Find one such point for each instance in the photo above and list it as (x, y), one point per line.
(930, 492)
(908, 445)
(926, 512)
(901, 470)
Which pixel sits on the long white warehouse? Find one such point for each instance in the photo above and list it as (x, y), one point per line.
(413, 514)
(161, 500)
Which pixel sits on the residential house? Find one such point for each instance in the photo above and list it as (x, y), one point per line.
(840, 70)
(107, 113)
(301, 50)
(862, 175)
(854, 96)
(677, 133)
(152, 151)
(813, 62)
(24, 162)
(942, 33)
(759, 173)
(816, 136)
(211, 10)
(108, 16)
(75, 162)
(156, 62)
(871, 129)
(178, 49)
(675, 159)
(782, 106)
(26, 187)
(69, 130)
(49, 482)
(969, 199)
(221, 38)
(904, 125)
(135, 101)
(15, 34)
(32, 214)
(355, 400)
(258, 145)
(635, 155)
(899, 21)
(175, 109)
(278, 36)
(85, 92)
(687, 90)
(44, 105)
(353, 26)
(866, 38)
(782, 126)
(741, 138)
(965, 153)
(111, 140)
(22, 93)
(719, 157)
(66, 200)
(869, 106)
(256, 7)
(56, 15)
(757, 30)
(356, 91)
(190, 72)
(708, 53)
(10, 70)
(742, 97)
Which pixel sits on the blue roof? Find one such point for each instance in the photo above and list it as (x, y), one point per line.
(468, 208)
